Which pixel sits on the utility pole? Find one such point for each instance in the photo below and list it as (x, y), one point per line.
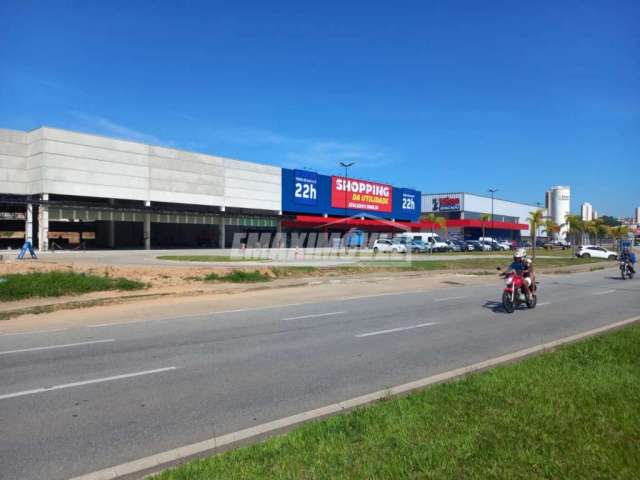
(492, 191)
(346, 178)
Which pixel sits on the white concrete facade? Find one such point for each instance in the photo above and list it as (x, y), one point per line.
(559, 203)
(53, 161)
(482, 204)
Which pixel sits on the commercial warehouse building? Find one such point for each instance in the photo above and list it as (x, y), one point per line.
(464, 212)
(75, 189)
(63, 189)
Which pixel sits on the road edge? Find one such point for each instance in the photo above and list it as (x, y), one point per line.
(155, 463)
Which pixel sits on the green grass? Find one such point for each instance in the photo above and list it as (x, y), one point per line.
(572, 413)
(238, 276)
(18, 286)
(283, 272)
(472, 263)
(208, 258)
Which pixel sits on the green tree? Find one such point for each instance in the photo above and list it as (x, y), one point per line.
(434, 220)
(550, 227)
(484, 218)
(576, 227)
(535, 220)
(618, 232)
(609, 221)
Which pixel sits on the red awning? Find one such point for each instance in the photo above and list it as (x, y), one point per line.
(312, 221)
(472, 223)
(340, 223)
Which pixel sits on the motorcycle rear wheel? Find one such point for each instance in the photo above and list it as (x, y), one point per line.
(623, 272)
(533, 302)
(507, 303)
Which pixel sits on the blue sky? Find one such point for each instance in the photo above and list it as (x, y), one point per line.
(435, 95)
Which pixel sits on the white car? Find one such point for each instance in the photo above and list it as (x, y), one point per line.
(588, 251)
(387, 246)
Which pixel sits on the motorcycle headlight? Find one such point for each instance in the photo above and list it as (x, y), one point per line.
(509, 280)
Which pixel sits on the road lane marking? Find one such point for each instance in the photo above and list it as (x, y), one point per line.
(393, 330)
(84, 382)
(604, 293)
(543, 303)
(52, 347)
(450, 298)
(314, 315)
(32, 333)
(169, 458)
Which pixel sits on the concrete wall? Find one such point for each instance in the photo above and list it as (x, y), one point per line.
(57, 161)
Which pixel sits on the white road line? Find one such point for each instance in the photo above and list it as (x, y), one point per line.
(450, 298)
(315, 315)
(392, 330)
(543, 303)
(32, 333)
(52, 347)
(169, 457)
(84, 382)
(604, 293)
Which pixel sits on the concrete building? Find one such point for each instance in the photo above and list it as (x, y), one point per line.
(636, 216)
(586, 211)
(558, 204)
(63, 186)
(66, 189)
(464, 211)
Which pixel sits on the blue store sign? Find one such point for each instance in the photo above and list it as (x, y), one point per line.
(311, 193)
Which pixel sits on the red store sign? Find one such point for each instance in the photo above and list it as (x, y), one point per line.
(361, 195)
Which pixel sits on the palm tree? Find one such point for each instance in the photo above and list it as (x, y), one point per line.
(600, 229)
(535, 220)
(576, 226)
(618, 232)
(434, 219)
(550, 227)
(484, 218)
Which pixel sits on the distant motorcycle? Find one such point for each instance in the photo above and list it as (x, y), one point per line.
(626, 270)
(513, 294)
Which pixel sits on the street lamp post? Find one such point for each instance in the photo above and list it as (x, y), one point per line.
(492, 191)
(346, 178)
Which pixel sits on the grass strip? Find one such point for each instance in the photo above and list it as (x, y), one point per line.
(238, 276)
(18, 286)
(470, 263)
(571, 413)
(208, 258)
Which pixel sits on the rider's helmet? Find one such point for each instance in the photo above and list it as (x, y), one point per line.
(520, 254)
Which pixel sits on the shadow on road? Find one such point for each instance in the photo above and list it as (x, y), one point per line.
(495, 307)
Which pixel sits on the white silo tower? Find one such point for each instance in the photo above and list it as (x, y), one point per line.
(559, 207)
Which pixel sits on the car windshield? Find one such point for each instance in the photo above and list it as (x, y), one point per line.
(437, 238)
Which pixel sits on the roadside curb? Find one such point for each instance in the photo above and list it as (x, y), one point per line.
(155, 463)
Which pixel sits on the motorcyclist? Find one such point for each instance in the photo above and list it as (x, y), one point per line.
(524, 267)
(628, 258)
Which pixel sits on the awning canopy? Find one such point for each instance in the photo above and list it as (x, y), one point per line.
(375, 224)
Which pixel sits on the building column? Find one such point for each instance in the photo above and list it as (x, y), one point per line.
(111, 228)
(28, 224)
(222, 232)
(147, 231)
(43, 225)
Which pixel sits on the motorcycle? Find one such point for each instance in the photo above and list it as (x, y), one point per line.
(513, 294)
(626, 270)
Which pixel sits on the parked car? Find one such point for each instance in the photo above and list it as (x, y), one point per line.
(462, 245)
(588, 251)
(453, 246)
(418, 246)
(477, 246)
(491, 245)
(387, 246)
(555, 244)
(506, 244)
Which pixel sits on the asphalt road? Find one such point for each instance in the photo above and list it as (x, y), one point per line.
(83, 399)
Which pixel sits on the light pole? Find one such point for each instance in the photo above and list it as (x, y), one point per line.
(344, 186)
(492, 191)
